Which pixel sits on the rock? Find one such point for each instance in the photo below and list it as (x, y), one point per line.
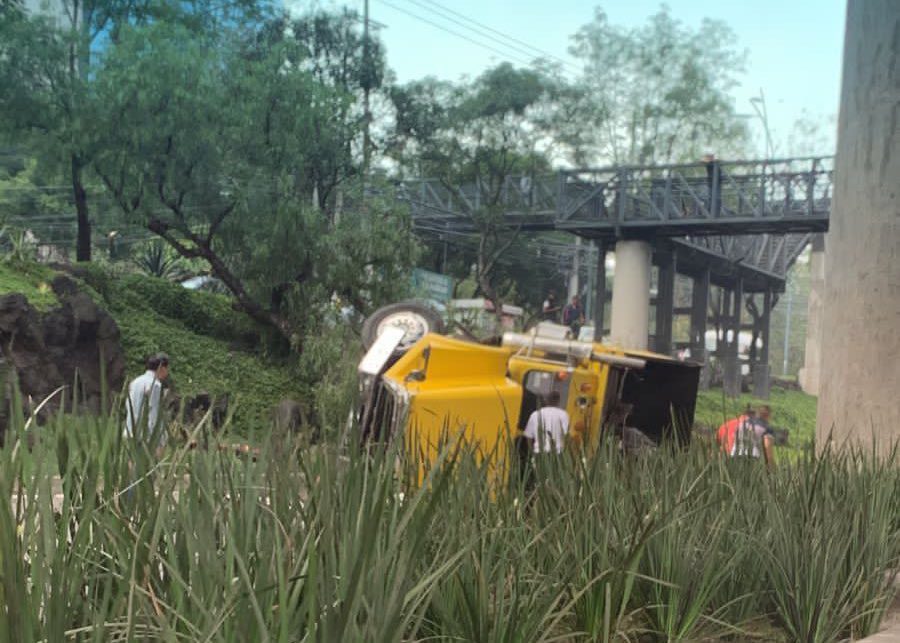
(77, 342)
(200, 404)
(635, 441)
(288, 415)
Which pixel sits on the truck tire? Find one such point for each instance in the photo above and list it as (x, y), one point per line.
(418, 319)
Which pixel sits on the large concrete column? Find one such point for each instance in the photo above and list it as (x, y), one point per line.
(630, 323)
(574, 283)
(732, 362)
(860, 373)
(812, 356)
(600, 291)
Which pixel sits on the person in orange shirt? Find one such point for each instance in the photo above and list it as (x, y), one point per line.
(727, 432)
(747, 436)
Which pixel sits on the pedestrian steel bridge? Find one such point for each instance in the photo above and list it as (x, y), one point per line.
(747, 219)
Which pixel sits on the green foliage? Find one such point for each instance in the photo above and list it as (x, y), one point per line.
(30, 279)
(656, 93)
(157, 259)
(213, 347)
(333, 545)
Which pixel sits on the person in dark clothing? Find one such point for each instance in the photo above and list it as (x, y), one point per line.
(573, 316)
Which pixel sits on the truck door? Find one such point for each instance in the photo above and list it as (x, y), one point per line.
(583, 409)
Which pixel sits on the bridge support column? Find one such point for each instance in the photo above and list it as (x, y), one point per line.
(699, 316)
(574, 283)
(860, 372)
(600, 291)
(732, 371)
(665, 302)
(761, 370)
(630, 324)
(809, 374)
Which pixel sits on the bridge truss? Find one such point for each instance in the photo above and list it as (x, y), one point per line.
(746, 220)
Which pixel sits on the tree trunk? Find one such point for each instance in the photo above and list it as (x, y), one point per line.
(83, 244)
(242, 299)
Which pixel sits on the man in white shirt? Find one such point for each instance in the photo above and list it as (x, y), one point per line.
(147, 390)
(547, 427)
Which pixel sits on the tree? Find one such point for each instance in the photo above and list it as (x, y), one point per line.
(657, 93)
(47, 67)
(476, 139)
(211, 143)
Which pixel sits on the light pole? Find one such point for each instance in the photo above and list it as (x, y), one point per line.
(759, 106)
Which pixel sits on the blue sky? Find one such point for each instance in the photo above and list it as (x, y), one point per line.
(794, 46)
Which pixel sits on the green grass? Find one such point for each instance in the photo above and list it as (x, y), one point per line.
(32, 280)
(327, 544)
(212, 347)
(792, 410)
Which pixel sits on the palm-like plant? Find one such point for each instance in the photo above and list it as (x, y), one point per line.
(158, 259)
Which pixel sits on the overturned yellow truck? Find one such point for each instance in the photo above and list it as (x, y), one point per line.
(421, 386)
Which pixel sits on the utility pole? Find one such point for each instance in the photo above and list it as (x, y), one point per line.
(759, 106)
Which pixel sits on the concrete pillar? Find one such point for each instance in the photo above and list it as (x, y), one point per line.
(809, 374)
(630, 323)
(665, 301)
(600, 291)
(761, 369)
(574, 285)
(699, 317)
(860, 373)
(732, 371)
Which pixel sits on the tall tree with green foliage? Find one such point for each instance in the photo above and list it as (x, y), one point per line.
(485, 135)
(657, 93)
(48, 67)
(217, 145)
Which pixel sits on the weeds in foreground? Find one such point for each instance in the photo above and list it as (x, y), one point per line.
(326, 545)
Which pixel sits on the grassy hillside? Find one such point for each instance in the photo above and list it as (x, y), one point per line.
(32, 280)
(212, 347)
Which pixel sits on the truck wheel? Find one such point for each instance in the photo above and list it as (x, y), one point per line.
(414, 317)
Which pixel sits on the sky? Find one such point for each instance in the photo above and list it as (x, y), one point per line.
(794, 47)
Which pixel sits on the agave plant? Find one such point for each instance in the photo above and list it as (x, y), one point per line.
(104, 540)
(157, 259)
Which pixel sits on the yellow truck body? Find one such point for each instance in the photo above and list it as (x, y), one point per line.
(445, 388)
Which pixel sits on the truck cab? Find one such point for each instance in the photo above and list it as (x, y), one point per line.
(439, 388)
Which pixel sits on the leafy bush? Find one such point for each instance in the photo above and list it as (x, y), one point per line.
(213, 347)
(157, 259)
(31, 279)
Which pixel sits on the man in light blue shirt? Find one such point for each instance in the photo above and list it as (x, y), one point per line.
(147, 390)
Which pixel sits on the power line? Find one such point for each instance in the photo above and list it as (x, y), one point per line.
(480, 27)
(436, 25)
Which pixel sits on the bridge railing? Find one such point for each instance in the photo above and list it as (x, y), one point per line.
(697, 192)
(514, 195)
